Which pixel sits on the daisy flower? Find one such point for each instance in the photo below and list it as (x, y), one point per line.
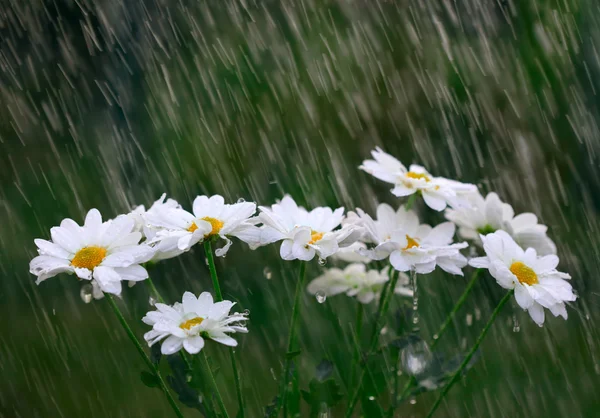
(408, 243)
(437, 192)
(536, 281)
(356, 281)
(490, 214)
(305, 234)
(104, 252)
(164, 249)
(188, 324)
(179, 229)
(351, 253)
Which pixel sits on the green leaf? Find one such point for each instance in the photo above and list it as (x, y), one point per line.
(290, 355)
(293, 396)
(180, 383)
(149, 379)
(155, 354)
(321, 394)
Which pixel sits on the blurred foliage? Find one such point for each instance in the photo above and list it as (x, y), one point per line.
(108, 104)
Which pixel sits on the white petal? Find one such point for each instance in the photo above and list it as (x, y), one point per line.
(49, 248)
(400, 190)
(134, 273)
(193, 345)
(66, 239)
(190, 302)
(537, 314)
(108, 280)
(434, 201)
(398, 261)
(224, 339)
(222, 252)
(171, 345)
(45, 266)
(523, 297)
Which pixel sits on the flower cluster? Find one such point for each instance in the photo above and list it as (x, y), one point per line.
(511, 243)
(105, 253)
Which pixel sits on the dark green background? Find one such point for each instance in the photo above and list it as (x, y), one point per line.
(108, 104)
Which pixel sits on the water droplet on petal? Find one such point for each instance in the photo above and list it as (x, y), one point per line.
(321, 296)
(241, 200)
(86, 293)
(267, 273)
(416, 358)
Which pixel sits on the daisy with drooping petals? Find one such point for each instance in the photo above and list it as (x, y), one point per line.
(536, 281)
(491, 214)
(351, 253)
(211, 217)
(437, 192)
(188, 324)
(356, 281)
(104, 252)
(163, 249)
(305, 234)
(409, 244)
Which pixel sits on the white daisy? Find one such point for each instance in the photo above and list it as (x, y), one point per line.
(437, 192)
(491, 214)
(189, 323)
(351, 253)
(409, 244)
(305, 234)
(356, 281)
(107, 252)
(536, 281)
(211, 217)
(164, 249)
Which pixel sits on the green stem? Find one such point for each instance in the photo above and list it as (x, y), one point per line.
(384, 302)
(457, 306)
(357, 332)
(478, 342)
(143, 354)
(437, 336)
(219, 296)
(411, 201)
(184, 355)
(213, 270)
(291, 337)
(154, 290)
(213, 382)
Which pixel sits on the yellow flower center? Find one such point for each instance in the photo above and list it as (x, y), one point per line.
(315, 236)
(215, 223)
(411, 243)
(88, 257)
(524, 273)
(191, 323)
(417, 176)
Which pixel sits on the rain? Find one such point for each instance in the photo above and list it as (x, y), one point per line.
(108, 104)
